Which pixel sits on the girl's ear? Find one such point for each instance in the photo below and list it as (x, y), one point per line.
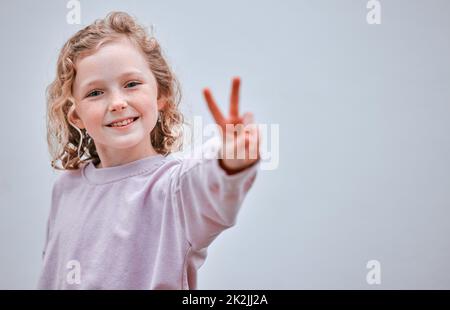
(73, 117)
(162, 103)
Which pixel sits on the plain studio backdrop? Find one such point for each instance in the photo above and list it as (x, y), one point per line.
(364, 146)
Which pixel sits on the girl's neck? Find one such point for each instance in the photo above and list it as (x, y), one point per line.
(116, 157)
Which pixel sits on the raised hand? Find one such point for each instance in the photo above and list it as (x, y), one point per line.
(240, 135)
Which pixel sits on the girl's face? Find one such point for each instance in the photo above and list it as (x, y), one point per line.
(115, 83)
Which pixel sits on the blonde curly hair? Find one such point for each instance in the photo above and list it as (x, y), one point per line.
(66, 143)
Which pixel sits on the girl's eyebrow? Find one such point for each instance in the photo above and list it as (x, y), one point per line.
(128, 73)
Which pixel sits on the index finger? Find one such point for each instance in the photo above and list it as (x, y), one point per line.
(217, 115)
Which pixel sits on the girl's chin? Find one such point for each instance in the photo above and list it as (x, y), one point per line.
(128, 141)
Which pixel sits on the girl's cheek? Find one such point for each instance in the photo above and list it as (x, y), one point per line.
(96, 114)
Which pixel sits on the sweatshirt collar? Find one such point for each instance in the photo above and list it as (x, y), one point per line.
(112, 174)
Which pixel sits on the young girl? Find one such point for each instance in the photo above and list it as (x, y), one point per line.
(125, 213)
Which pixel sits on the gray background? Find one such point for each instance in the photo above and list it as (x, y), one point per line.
(364, 145)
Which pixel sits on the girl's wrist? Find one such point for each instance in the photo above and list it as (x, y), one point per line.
(234, 170)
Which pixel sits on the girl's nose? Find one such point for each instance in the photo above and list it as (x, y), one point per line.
(118, 104)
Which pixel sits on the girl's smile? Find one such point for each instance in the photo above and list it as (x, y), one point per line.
(123, 124)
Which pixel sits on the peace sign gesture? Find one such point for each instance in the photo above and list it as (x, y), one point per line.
(240, 135)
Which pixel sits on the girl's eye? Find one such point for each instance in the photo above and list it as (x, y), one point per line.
(94, 93)
(133, 84)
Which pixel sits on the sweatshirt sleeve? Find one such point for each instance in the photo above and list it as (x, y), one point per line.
(208, 199)
(55, 192)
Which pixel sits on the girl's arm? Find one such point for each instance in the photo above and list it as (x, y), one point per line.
(207, 199)
(208, 193)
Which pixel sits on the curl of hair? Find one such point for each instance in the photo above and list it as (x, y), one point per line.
(62, 138)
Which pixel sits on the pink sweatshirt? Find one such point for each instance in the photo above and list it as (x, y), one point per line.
(142, 225)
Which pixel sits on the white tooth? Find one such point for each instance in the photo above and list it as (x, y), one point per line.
(122, 123)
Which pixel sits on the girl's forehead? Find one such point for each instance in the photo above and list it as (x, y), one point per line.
(110, 48)
(113, 56)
